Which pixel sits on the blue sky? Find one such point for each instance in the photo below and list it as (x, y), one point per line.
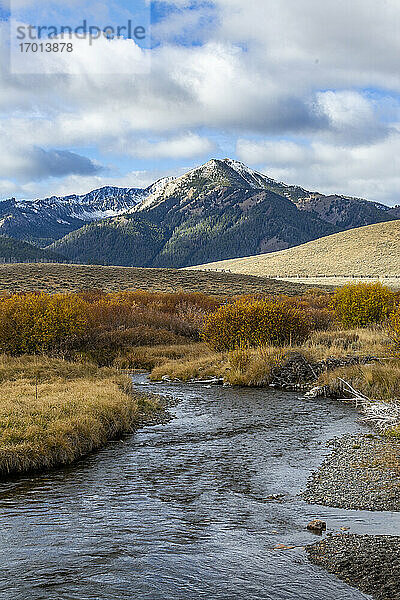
(307, 92)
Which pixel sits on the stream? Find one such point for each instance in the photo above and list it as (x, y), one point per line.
(186, 510)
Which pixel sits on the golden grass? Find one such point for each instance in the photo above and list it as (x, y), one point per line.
(342, 342)
(58, 278)
(244, 367)
(146, 358)
(53, 412)
(45, 368)
(253, 367)
(377, 381)
(369, 251)
(195, 365)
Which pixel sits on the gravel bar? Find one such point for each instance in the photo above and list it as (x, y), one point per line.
(369, 563)
(362, 473)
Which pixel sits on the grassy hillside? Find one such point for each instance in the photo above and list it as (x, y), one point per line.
(71, 278)
(372, 251)
(15, 250)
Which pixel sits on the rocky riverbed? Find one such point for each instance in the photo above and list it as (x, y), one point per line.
(362, 473)
(370, 563)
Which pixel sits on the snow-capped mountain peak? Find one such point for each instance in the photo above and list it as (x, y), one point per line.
(199, 181)
(54, 217)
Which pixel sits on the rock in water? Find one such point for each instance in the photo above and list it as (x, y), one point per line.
(317, 526)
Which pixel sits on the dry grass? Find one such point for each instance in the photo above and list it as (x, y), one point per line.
(252, 367)
(371, 251)
(336, 282)
(246, 367)
(53, 412)
(380, 382)
(199, 363)
(377, 381)
(52, 278)
(146, 358)
(341, 342)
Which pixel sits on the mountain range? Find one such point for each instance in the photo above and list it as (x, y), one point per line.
(42, 222)
(217, 211)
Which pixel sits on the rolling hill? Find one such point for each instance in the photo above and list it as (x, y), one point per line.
(52, 278)
(372, 251)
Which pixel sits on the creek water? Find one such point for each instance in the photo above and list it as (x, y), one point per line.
(186, 510)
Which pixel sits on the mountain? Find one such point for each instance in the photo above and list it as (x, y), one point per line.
(197, 183)
(395, 212)
(363, 252)
(41, 222)
(217, 210)
(16, 251)
(228, 222)
(222, 209)
(342, 211)
(345, 212)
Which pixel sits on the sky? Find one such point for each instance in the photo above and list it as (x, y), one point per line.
(305, 91)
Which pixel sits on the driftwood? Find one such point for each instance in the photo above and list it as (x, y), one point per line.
(378, 414)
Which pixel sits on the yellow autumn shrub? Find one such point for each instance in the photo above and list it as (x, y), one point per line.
(394, 329)
(35, 323)
(362, 304)
(254, 323)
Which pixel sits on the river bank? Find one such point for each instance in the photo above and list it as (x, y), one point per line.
(53, 412)
(370, 563)
(361, 473)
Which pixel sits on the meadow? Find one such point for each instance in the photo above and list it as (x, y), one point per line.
(63, 278)
(363, 252)
(63, 391)
(53, 412)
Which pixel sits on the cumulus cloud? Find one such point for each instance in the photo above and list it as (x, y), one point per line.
(185, 146)
(299, 69)
(370, 171)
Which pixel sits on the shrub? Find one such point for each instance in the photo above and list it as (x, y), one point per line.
(253, 323)
(362, 304)
(37, 322)
(394, 329)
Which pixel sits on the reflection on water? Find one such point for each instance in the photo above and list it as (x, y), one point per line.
(184, 510)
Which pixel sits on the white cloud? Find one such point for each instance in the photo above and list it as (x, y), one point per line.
(273, 152)
(271, 68)
(185, 146)
(369, 171)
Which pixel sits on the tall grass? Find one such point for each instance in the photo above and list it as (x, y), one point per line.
(53, 412)
(377, 381)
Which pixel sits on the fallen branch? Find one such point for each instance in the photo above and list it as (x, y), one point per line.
(381, 415)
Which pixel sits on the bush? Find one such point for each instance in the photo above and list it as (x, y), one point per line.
(254, 323)
(37, 322)
(99, 326)
(362, 304)
(394, 329)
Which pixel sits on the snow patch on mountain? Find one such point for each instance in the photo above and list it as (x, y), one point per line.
(202, 179)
